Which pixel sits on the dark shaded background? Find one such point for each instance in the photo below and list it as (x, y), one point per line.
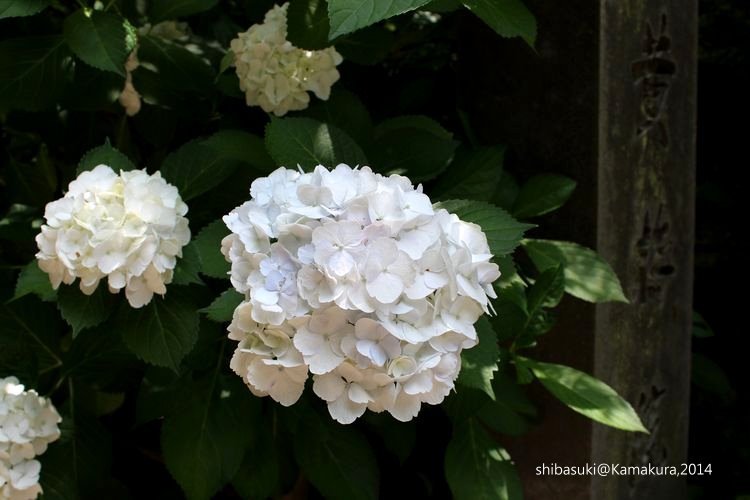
(720, 398)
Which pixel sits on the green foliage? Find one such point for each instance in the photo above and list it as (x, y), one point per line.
(212, 263)
(105, 155)
(474, 174)
(195, 168)
(415, 146)
(242, 147)
(350, 15)
(83, 311)
(170, 75)
(33, 71)
(479, 364)
(546, 291)
(221, 309)
(258, 474)
(102, 39)
(587, 276)
(337, 459)
(586, 395)
(345, 111)
(701, 328)
(508, 18)
(477, 467)
(160, 375)
(309, 143)
(21, 8)
(307, 24)
(504, 233)
(542, 194)
(162, 10)
(34, 280)
(162, 332)
(710, 377)
(79, 463)
(205, 440)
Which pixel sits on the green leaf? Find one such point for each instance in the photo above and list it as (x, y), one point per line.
(350, 15)
(195, 168)
(188, 266)
(508, 18)
(345, 111)
(208, 244)
(21, 8)
(309, 143)
(20, 223)
(368, 46)
(586, 395)
(507, 191)
(34, 183)
(443, 5)
(36, 324)
(76, 465)
(101, 39)
(161, 333)
(546, 291)
(162, 10)
(543, 194)
(507, 415)
(170, 75)
(258, 475)
(479, 364)
(701, 328)
(222, 309)
(307, 24)
(34, 280)
(105, 155)
(587, 276)
(337, 459)
(414, 146)
(98, 356)
(243, 147)
(83, 311)
(33, 72)
(398, 437)
(472, 175)
(227, 61)
(205, 441)
(511, 319)
(504, 233)
(478, 468)
(709, 376)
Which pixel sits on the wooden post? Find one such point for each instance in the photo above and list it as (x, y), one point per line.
(608, 99)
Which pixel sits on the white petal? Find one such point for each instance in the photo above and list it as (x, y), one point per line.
(329, 386)
(345, 411)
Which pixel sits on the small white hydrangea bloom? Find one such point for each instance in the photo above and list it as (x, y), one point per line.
(355, 278)
(276, 75)
(28, 423)
(128, 228)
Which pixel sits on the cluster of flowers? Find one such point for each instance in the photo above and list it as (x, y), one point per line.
(127, 227)
(276, 75)
(357, 278)
(28, 423)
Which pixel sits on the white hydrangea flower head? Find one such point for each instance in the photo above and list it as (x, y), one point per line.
(28, 423)
(355, 278)
(128, 228)
(276, 75)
